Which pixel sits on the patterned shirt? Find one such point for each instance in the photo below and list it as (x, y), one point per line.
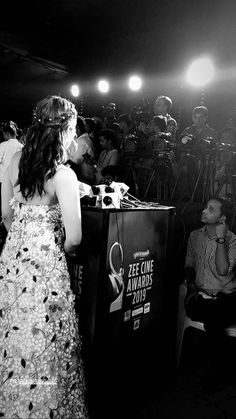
(7, 149)
(201, 251)
(171, 127)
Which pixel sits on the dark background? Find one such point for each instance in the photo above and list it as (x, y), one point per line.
(45, 45)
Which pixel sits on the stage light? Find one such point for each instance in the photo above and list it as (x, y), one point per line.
(200, 72)
(75, 90)
(135, 83)
(103, 86)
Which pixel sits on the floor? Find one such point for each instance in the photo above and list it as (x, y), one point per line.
(160, 391)
(184, 398)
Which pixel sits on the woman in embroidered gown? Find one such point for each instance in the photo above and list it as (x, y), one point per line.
(41, 370)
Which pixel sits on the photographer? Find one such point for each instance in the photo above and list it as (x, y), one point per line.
(200, 129)
(160, 138)
(162, 106)
(109, 115)
(158, 145)
(226, 160)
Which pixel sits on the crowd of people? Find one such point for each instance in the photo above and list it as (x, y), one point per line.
(147, 149)
(42, 370)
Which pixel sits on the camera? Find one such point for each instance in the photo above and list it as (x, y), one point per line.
(198, 147)
(130, 143)
(161, 141)
(225, 146)
(227, 154)
(141, 112)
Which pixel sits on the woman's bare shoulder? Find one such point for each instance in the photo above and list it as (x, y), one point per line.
(64, 172)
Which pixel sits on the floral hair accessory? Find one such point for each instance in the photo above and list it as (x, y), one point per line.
(56, 122)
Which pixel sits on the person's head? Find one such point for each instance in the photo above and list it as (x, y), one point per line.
(107, 139)
(116, 128)
(80, 127)
(228, 135)
(52, 130)
(110, 174)
(200, 116)
(162, 105)
(90, 126)
(217, 209)
(125, 122)
(157, 124)
(9, 130)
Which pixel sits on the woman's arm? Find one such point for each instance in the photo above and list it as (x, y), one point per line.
(67, 191)
(6, 196)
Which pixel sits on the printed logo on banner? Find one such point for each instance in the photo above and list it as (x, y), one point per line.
(136, 324)
(76, 274)
(127, 315)
(140, 279)
(116, 280)
(141, 255)
(137, 311)
(131, 290)
(146, 308)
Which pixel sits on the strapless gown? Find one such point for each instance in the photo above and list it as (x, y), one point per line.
(41, 368)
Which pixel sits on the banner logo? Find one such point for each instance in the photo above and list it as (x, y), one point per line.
(116, 279)
(139, 255)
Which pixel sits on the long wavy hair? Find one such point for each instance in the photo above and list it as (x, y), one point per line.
(43, 150)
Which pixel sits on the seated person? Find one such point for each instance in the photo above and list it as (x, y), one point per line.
(108, 156)
(110, 174)
(211, 281)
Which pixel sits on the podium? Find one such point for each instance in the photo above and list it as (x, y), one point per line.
(120, 276)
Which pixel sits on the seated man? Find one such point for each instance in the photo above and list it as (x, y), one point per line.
(110, 174)
(108, 156)
(211, 282)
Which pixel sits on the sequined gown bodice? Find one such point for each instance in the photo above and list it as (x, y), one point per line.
(41, 371)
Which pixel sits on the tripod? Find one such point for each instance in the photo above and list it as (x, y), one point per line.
(187, 171)
(161, 175)
(131, 177)
(228, 179)
(205, 177)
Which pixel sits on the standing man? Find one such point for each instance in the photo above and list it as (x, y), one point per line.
(162, 106)
(200, 129)
(211, 283)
